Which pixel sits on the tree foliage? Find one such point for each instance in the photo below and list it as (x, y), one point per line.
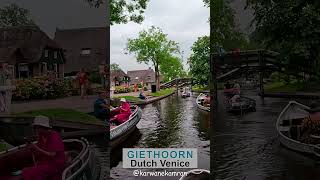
(199, 60)
(171, 68)
(292, 28)
(152, 46)
(13, 15)
(123, 11)
(114, 67)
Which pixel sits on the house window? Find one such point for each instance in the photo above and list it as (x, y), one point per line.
(85, 51)
(55, 55)
(46, 53)
(23, 70)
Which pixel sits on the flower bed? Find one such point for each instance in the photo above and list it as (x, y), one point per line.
(41, 88)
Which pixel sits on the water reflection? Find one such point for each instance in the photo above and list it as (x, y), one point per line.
(171, 122)
(247, 147)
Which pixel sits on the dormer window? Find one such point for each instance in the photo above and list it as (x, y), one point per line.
(85, 51)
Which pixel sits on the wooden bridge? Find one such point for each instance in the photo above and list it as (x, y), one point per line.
(178, 82)
(231, 64)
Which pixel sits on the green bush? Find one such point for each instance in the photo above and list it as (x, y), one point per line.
(41, 88)
(95, 77)
(121, 89)
(145, 88)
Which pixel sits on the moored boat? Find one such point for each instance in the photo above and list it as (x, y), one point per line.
(289, 127)
(81, 161)
(199, 102)
(120, 133)
(245, 104)
(185, 94)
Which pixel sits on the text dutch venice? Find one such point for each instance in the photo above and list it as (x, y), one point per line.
(160, 158)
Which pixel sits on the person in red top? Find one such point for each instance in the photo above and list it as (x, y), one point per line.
(125, 112)
(83, 79)
(48, 153)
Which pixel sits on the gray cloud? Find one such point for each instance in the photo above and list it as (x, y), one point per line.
(65, 14)
(183, 21)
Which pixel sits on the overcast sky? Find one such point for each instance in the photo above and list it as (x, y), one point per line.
(183, 21)
(64, 14)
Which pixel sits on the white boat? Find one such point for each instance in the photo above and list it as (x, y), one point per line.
(185, 94)
(121, 132)
(291, 118)
(81, 161)
(199, 101)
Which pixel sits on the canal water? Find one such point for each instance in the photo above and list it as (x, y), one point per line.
(247, 148)
(172, 122)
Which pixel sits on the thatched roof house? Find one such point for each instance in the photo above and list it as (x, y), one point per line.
(28, 52)
(84, 48)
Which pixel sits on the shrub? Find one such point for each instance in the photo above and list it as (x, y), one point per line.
(41, 88)
(122, 89)
(95, 77)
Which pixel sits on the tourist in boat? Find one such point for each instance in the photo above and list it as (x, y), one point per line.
(100, 106)
(142, 95)
(236, 88)
(235, 99)
(124, 114)
(206, 100)
(48, 153)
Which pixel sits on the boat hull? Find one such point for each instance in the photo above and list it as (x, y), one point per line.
(84, 163)
(294, 110)
(123, 131)
(198, 102)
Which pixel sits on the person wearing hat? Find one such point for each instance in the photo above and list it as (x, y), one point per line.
(48, 152)
(100, 106)
(125, 112)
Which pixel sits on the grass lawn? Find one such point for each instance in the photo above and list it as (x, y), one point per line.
(65, 114)
(130, 98)
(292, 87)
(3, 147)
(200, 88)
(163, 92)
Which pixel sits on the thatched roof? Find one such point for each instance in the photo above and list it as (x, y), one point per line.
(74, 40)
(148, 76)
(26, 42)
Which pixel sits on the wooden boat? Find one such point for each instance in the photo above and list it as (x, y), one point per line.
(81, 161)
(245, 105)
(289, 121)
(199, 101)
(120, 133)
(185, 94)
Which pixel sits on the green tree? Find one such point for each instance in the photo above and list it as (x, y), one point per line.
(199, 60)
(292, 28)
(13, 15)
(114, 67)
(152, 46)
(226, 33)
(172, 68)
(123, 11)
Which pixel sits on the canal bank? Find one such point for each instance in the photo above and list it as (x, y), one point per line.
(172, 122)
